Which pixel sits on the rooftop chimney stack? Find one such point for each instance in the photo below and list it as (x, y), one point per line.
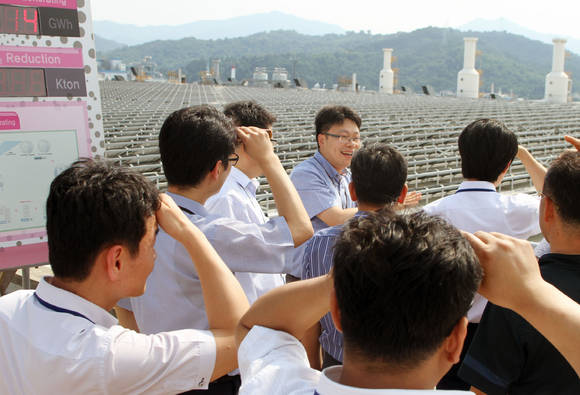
(354, 82)
(387, 76)
(557, 81)
(468, 78)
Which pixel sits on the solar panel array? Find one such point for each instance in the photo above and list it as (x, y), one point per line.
(423, 128)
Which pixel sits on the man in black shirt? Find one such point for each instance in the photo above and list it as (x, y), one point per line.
(508, 355)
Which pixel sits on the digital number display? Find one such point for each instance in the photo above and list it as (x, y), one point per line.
(18, 20)
(22, 83)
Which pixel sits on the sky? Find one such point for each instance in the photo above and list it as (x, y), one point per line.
(555, 17)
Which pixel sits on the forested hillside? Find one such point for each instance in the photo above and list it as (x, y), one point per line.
(429, 56)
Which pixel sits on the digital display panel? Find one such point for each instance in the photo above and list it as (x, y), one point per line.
(22, 83)
(39, 21)
(19, 20)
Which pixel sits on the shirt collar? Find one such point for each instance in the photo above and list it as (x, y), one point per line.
(189, 204)
(67, 300)
(249, 184)
(328, 168)
(328, 384)
(476, 185)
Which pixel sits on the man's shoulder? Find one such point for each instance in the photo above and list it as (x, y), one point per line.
(435, 206)
(14, 301)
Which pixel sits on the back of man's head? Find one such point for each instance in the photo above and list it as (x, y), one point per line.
(402, 284)
(91, 206)
(379, 173)
(329, 116)
(562, 185)
(249, 113)
(191, 142)
(486, 147)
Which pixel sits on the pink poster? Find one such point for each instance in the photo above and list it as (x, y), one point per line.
(46, 137)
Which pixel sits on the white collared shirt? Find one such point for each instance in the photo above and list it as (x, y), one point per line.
(477, 206)
(274, 362)
(237, 199)
(45, 350)
(173, 298)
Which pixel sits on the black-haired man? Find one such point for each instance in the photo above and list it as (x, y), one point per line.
(379, 173)
(237, 197)
(197, 152)
(322, 180)
(487, 148)
(399, 291)
(507, 354)
(101, 226)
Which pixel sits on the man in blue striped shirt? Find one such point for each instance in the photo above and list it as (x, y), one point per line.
(379, 173)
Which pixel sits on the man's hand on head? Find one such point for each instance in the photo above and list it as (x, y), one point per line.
(171, 218)
(256, 142)
(511, 271)
(574, 141)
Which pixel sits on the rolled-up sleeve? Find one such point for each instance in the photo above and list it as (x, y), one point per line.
(167, 362)
(249, 247)
(316, 192)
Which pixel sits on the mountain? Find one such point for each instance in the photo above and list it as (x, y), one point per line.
(103, 45)
(429, 56)
(217, 29)
(502, 24)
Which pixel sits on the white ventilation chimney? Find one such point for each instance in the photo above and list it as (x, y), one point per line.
(557, 81)
(354, 82)
(233, 73)
(468, 78)
(387, 76)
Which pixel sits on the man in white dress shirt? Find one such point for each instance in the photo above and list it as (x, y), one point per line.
(61, 339)
(487, 148)
(399, 291)
(237, 197)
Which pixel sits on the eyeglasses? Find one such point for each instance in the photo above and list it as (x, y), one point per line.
(234, 159)
(344, 139)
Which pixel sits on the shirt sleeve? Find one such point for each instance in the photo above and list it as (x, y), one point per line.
(274, 362)
(496, 356)
(250, 247)
(224, 206)
(167, 362)
(523, 215)
(317, 193)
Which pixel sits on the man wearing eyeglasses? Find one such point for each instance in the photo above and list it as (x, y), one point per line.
(237, 197)
(197, 152)
(322, 180)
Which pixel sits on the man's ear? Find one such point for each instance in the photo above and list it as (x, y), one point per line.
(335, 311)
(320, 139)
(403, 194)
(352, 192)
(113, 258)
(217, 170)
(453, 344)
(549, 209)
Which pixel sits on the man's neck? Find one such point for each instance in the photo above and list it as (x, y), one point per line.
(565, 243)
(369, 374)
(192, 193)
(87, 289)
(495, 183)
(362, 206)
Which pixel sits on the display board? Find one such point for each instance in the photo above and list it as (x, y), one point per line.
(50, 114)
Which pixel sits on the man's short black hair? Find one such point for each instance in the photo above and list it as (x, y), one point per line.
(379, 173)
(249, 113)
(562, 185)
(91, 206)
(329, 116)
(402, 283)
(486, 147)
(192, 140)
